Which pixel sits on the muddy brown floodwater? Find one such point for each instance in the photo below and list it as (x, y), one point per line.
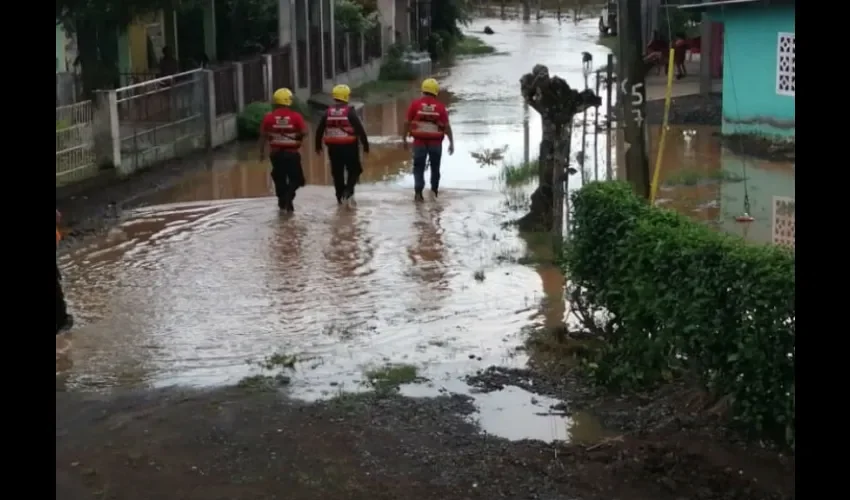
(208, 279)
(207, 286)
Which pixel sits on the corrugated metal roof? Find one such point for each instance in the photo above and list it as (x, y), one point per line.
(720, 3)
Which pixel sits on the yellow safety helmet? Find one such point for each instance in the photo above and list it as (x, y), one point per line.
(282, 97)
(430, 86)
(341, 92)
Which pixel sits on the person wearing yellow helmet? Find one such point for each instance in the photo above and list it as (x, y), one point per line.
(64, 321)
(283, 129)
(340, 129)
(428, 123)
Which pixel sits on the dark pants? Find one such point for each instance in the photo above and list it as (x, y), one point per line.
(421, 155)
(61, 307)
(287, 175)
(345, 158)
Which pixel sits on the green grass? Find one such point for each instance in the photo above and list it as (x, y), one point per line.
(694, 177)
(472, 46)
(263, 382)
(391, 376)
(520, 174)
(382, 88)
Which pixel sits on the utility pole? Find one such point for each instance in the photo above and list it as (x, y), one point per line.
(633, 91)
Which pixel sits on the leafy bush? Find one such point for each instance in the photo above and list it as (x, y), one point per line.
(682, 298)
(472, 46)
(352, 17)
(394, 67)
(248, 121)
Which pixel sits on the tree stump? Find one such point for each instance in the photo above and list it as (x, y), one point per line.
(557, 105)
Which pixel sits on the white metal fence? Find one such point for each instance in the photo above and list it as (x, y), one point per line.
(161, 119)
(151, 120)
(75, 156)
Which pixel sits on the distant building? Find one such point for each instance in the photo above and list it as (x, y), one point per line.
(758, 65)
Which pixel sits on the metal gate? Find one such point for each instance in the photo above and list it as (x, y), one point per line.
(75, 158)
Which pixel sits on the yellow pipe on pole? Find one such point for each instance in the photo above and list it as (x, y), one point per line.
(667, 99)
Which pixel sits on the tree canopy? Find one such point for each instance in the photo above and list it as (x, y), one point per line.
(120, 12)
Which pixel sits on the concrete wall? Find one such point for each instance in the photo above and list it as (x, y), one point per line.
(61, 64)
(402, 24)
(224, 130)
(358, 76)
(387, 18)
(751, 103)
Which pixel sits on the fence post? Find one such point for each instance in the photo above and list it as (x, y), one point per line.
(348, 53)
(208, 91)
(107, 131)
(239, 86)
(268, 82)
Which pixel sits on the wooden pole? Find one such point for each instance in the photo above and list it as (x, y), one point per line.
(633, 87)
(596, 136)
(526, 134)
(609, 113)
(584, 136)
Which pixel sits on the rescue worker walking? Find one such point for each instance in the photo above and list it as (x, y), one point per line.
(64, 321)
(283, 129)
(427, 122)
(340, 129)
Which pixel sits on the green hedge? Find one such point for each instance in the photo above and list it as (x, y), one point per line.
(248, 121)
(684, 299)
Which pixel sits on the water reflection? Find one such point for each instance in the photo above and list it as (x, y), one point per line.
(702, 179)
(426, 254)
(770, 190)
(347, 251)
(690, 175)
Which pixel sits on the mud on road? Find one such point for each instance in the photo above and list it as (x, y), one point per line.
(238, 443)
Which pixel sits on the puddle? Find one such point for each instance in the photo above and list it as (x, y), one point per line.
(185, 294)
(516, 414)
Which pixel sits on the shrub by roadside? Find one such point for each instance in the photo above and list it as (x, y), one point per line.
(683, 300)
(248, 121)
(471, 45)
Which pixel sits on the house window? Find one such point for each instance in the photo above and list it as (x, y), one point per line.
(786, 52)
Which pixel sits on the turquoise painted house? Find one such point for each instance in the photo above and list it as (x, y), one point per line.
(758, 65)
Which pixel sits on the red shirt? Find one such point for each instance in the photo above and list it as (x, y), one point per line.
(414, 113)
(285, 129)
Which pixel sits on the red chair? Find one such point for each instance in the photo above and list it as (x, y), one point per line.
(694, 47)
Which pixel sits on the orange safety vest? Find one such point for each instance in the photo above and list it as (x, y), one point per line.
(283, 134)
(338, 129)
(426, 124)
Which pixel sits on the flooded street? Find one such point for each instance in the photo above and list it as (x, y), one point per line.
(186, 294)
(208, 280)
(223, 350)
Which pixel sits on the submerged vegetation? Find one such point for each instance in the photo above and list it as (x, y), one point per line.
(520, 174)
(472, 46)
(690, 177)
(390, 377)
